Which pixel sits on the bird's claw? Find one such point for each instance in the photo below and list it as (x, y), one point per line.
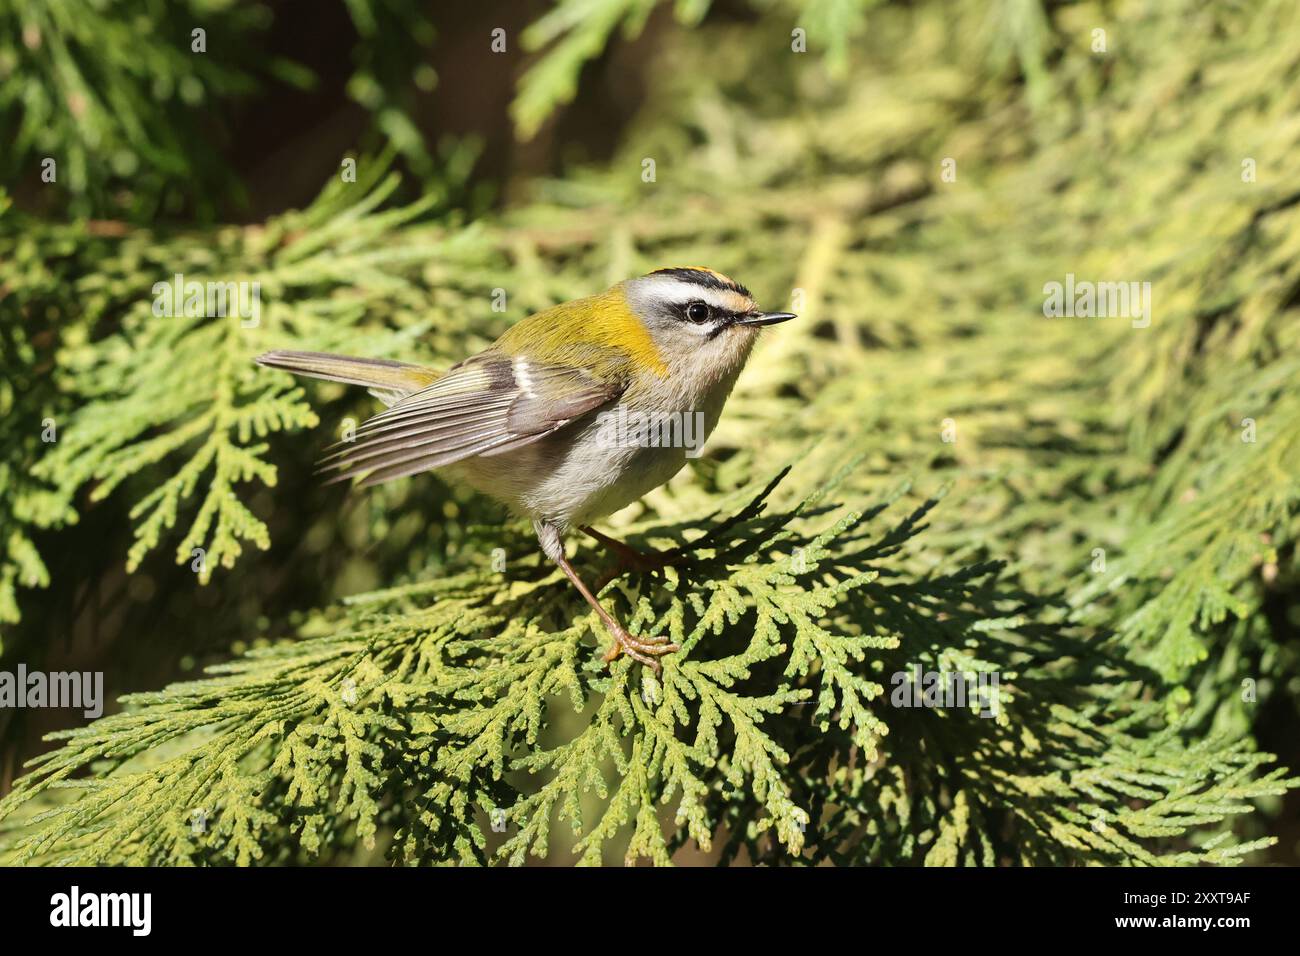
(642, 649)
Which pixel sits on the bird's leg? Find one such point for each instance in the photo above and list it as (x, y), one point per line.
(629, 558)
(643, 649)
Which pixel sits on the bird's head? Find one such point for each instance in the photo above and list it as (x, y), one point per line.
(698, 316)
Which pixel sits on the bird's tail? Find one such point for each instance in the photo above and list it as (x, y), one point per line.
(387, 380)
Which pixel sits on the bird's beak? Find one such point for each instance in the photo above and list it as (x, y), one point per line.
(765, 318)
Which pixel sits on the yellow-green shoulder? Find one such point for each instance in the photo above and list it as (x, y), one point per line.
(599, 329)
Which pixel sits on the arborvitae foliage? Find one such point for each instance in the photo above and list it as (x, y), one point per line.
(925, 470)
(126, 98)
(438, 713)
(26, 504)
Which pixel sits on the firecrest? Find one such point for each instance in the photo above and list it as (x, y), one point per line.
(527, 420)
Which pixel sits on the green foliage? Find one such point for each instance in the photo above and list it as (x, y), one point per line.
(432, 711)
(119, 94)
(1115, 540)
(143, 405)
(109, 91)
(577, 31)
(29, 415)
(393, 36)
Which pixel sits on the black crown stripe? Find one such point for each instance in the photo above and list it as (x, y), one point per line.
(706, 279)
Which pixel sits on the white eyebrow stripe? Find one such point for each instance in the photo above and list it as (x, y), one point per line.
(678, 292)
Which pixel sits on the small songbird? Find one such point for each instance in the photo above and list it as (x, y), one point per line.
(539, 419)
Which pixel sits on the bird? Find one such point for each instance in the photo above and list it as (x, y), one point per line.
(539, 419)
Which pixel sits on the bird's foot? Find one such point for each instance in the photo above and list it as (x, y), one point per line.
(642, 649)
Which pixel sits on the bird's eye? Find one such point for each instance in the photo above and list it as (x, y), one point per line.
(697, 312)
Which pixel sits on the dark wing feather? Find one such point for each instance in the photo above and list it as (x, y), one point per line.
(487, 405)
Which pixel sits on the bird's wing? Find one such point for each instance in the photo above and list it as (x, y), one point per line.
(486, 405)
